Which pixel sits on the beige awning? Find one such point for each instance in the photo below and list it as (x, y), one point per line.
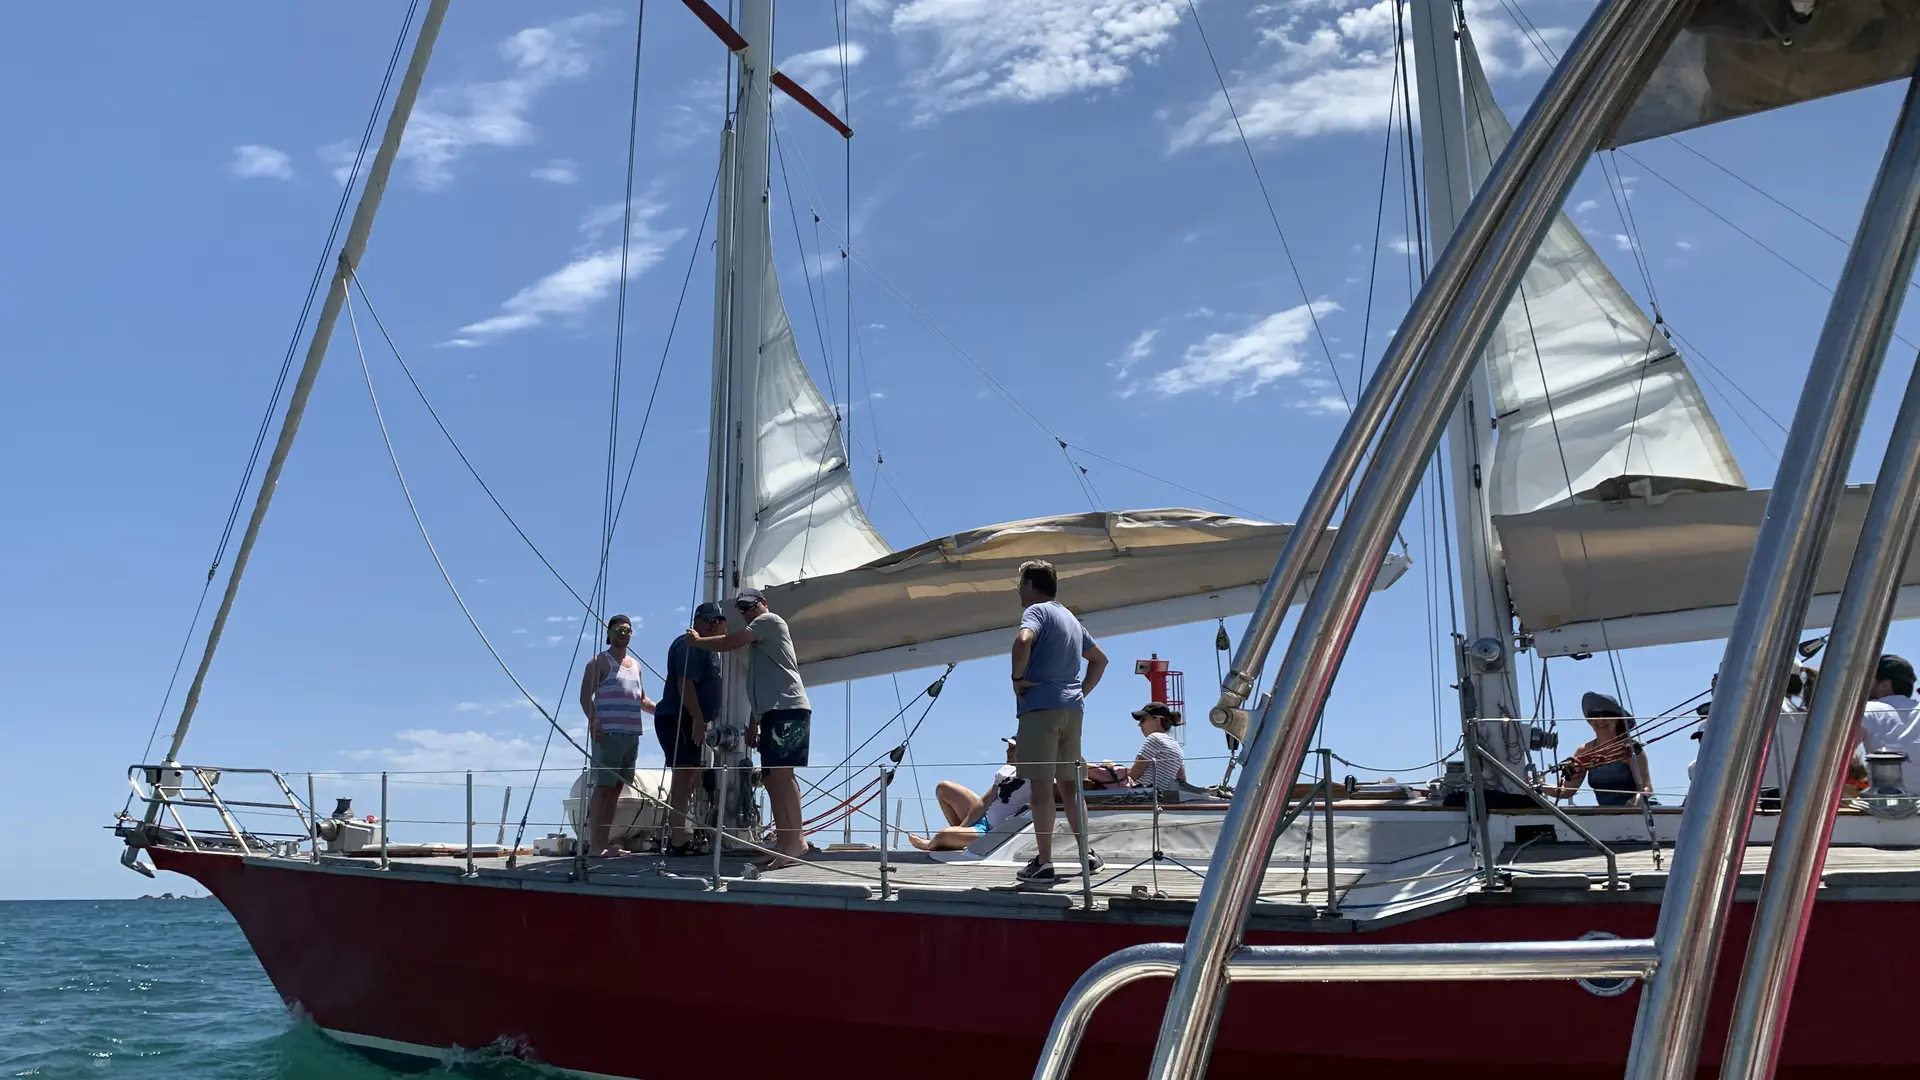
(1635, 573)
(954, 599)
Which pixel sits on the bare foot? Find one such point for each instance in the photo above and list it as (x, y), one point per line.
(923, 845)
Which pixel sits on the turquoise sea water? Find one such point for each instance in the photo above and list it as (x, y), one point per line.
(161, 989)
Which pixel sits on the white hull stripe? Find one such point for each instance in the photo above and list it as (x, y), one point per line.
(440, 1055)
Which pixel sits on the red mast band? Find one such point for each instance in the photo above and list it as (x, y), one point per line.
(717, 23)
(812, 104)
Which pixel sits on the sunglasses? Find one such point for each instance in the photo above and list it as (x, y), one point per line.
(620, 628)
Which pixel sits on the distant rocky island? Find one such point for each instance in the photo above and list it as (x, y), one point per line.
(170, 896)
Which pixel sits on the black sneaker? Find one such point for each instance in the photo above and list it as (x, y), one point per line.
(1094, 861)
(1035, 872)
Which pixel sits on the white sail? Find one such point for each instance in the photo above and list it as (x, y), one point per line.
(806, 519)
(1591, 401)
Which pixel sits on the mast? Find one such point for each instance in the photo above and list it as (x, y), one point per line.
(752, 125)
(713, 583)
(741, 254)
(350, 252)
(1487, 684)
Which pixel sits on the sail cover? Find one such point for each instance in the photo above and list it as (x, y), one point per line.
(954, 599)
(1591, 401)
(1658, 571)
(807, 519)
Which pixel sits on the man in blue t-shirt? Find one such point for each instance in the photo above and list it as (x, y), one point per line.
(1049, 693)
(690, 700)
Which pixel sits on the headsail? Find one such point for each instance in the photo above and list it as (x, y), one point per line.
(1591, 400)
(806, 519)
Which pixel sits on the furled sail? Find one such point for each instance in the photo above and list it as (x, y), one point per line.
(956, 598)
(1647, 572)
(1591, 400)
(806, 519)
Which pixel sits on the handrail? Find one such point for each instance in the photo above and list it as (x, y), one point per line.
(1613, 864)
(1598, 958)
(1425, 367)
(1774, 595)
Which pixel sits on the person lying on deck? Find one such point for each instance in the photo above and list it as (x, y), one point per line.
(970, 816)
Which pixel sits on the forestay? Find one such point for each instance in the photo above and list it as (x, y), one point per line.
(1591, 400)
(955, 599)
(806, 519)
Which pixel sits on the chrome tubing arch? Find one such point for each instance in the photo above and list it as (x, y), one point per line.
(1482, 264)
(1813, 790)
(1774, 595)
(1473, 962)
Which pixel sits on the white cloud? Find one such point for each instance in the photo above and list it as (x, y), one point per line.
(430, 750)
(1245, 361)
(1330, 71)
(1402, 245)
(490, 708)
(562, 618)
(1622, 242)
(1586, 206)
(985, 51)
(1683, 245)
(558, 171)
(818, 70)
(1323, 405)
(451, 120)
(594, 272)
(257, 162)
(1138, 349)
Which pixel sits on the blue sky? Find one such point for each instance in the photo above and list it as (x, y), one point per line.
(1057, 191)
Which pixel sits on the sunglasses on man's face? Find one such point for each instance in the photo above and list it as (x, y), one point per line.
(621, 629)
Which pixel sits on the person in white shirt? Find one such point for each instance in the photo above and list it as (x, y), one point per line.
(1891, 719)
(1161, 764)
(970, 816)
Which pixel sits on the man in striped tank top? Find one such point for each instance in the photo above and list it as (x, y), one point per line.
(617, 707)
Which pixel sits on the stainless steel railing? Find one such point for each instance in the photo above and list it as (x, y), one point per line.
(1426, 366)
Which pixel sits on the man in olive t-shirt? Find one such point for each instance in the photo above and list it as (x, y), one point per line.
(782, 715)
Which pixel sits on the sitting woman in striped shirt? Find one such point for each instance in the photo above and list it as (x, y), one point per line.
(1161, 764)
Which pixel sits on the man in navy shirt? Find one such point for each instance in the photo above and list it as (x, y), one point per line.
(690, 700)
(1050, 693)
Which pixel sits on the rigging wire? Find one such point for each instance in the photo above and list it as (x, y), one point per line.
(1540, 45)
(394, 459)
(620, 311)
(1312, 314)
(994, 385)
(314, 287)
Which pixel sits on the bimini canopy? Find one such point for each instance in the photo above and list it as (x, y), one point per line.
(954, 599)
(1634, 573)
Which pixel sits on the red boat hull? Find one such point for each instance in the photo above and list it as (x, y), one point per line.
(647, 985)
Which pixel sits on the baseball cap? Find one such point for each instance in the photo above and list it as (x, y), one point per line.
(619, 619)
(748, 597)
(1157, 711)
(708, 610)
(1010, 740)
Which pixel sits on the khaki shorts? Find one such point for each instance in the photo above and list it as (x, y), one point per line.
(1049, 744)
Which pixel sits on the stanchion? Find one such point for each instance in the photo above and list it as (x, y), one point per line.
(469, 822)
(313, 822)
(1086, 840)
(720, 816)
(383, 820)
(886, 842)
